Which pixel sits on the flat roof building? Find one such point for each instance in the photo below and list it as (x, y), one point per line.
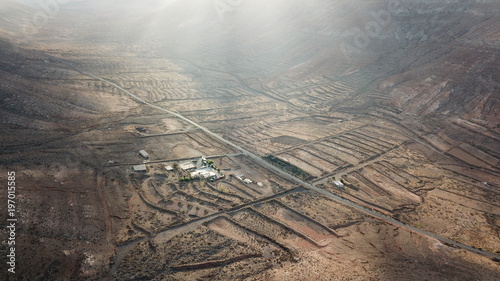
(339, 184)
(140, 168)
(144, 154)
(205, 175)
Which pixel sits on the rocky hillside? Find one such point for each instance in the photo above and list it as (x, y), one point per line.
(423, 57)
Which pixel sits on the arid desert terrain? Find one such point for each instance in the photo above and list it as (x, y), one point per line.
(251, 140)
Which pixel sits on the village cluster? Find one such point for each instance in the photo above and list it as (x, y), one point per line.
(200, 168)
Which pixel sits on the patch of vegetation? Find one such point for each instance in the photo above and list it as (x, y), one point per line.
(288, 140)
(288, 167)
(186, 179)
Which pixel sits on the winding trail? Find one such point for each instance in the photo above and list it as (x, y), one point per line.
(284, 174)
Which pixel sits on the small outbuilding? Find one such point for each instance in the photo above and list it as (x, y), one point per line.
(144, 154)
(339, 184)
(140, 168)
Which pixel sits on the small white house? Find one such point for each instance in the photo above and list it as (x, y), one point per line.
(339, 184)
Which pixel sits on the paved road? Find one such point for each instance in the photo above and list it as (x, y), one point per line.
(282, 173)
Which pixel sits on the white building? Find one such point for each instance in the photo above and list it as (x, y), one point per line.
(144, 154)
(339, 184)
(201, 174)
(140, 168)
